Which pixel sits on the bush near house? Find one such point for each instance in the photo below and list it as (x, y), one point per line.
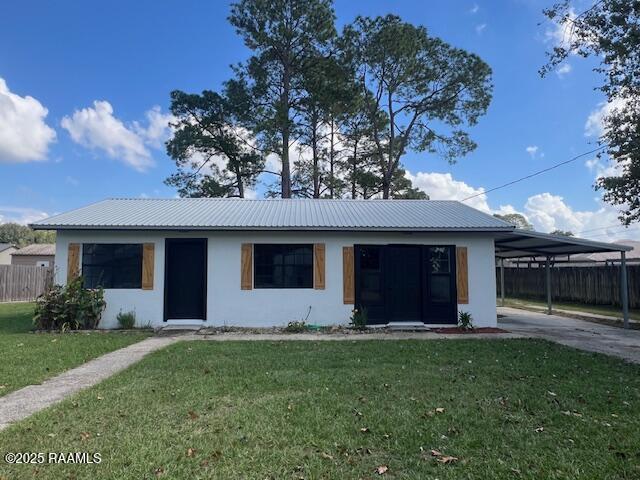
(71, 307)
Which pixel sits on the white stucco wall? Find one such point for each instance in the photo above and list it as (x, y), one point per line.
(227, 304)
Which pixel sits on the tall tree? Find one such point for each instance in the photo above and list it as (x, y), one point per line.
(282, 34)
(427, 89)
(609, 31)
(215, 156)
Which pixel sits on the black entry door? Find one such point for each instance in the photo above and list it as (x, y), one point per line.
(439, 277)
(185, 279)
(403, 283)
(406, 283)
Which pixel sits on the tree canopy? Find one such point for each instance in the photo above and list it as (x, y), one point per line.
(609, 32)
(337, 112)
(21, 235)
(517, 219)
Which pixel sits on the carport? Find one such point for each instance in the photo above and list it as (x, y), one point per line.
(524, 243)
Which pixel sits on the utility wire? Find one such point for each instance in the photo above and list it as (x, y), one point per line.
(539, 172)
(601, 228)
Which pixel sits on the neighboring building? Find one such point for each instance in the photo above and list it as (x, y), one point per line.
(268, 262)
(39, 254)
(6, 249)
(584, 259)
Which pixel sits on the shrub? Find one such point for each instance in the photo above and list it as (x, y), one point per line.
(71, 307)
(126, 320)
(296, 327)
(359, 318)
(465, 320)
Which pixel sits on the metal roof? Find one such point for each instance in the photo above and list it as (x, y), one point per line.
(526, 243)
(6, 246)
(277, 214)
(37, 249)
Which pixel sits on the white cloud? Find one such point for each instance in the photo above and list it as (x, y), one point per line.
(24, 135)
(532, 150)
(563, 70)
(480, 28)
(546, 211)
(98, 129)
(595, 124)
(442, 186)
(560, 31)
(158, 129)
(473, 10)
(20, 215)
(72, 181)
(603, 168)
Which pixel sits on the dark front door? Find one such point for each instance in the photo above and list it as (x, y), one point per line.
(406, 283)
(439, 276)
(403, 283)
(185, 279)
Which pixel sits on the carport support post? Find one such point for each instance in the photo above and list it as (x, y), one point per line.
(547, 267)
(624, 294)
(502, 282)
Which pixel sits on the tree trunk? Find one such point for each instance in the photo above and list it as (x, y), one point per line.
(386, 189)
(286, 169)
(314, 150)
(331, 163)
(354, 192)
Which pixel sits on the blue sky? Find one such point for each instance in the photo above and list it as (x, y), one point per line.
(84, 92)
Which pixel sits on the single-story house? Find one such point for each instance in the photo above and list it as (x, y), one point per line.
(37, 254)
(241, 262)
(6, 249)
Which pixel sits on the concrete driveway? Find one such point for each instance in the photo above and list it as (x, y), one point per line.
(575, 333)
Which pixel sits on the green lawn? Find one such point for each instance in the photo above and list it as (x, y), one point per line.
(338, 410)
(577, 307)
(29, 358)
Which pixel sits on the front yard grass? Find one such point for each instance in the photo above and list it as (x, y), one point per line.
(339, 410)
(30, 358)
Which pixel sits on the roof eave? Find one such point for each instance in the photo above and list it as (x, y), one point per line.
(36, 226)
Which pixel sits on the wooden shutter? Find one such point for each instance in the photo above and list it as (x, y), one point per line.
(147, 266)
(462, 275)
(348, 279)
(246, 266)
(318, 266)
(73, 261)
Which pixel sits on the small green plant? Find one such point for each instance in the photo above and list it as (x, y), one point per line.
(71, 307)
(359, 318)
(296, 327)
(126, 320)
(465, 320)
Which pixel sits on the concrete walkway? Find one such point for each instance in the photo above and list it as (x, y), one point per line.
(29, 400)
(572, 332)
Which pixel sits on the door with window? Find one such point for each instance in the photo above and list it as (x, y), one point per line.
(185, 285)
(406, 283)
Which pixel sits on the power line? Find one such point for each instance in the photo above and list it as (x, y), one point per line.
(539, 172)
(601, 228)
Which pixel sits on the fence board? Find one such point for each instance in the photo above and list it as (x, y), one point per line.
(592, 285)
(24, 283)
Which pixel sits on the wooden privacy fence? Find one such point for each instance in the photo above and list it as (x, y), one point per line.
(592, 285)
(23, 282)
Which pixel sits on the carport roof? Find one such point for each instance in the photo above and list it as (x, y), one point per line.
(525, 243)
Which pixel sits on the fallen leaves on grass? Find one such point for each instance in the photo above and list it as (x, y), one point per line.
(539, 429)
(193, 415)
(191, 452)
(364, 430)
(158, 472)
(326, 456)
(439, 456)
(382, 469)
(85, 436)
(439, 410)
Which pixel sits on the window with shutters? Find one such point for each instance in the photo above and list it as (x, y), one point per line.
(112, 265)
(283, 266)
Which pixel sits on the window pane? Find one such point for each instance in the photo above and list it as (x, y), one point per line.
(439, 259)
(112, 265)
(283, 266)
(440, 289)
